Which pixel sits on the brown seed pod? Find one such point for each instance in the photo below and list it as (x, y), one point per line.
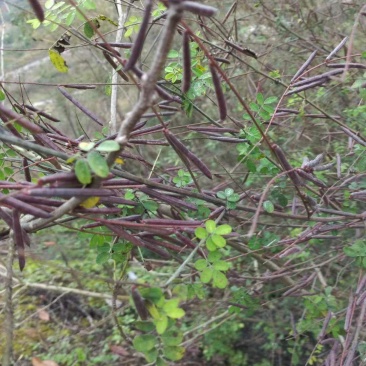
(38, 10)
(115, 66)
(139, 303)
(221, 102)
(81, 107)
(181, 149)
(139, 42)
(18, 239)
(199, 9)
(340, 45)
(27, 174)
(304, 66)
(187, 67)
(8, 114)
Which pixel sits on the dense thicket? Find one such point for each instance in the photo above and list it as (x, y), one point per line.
(192, 174)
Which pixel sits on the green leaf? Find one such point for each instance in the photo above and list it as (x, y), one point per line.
(108, 146)
(82, 171)
(221, 265)
(223, 229)
(200, 233)
(103, 247)
(210, 245)
(221, 195)
(218, 240)
(151, 355)
(270, 100)
(161, 362)
(172, 338)
(144, 326)
(152, 309)
(170, 304)
(144, 342)
(98, 164)
(210, 226)
(2, 96)
(49, 4)
(219, 280)
(214, 256)
(254, 107)
(102, 258)
(176, 313)
(161, 324)
(200, 265)
(206, 275)
(268, 206)
(174, 353)
(153, 294)
(86, 146)
(88, 30)
(260, 98)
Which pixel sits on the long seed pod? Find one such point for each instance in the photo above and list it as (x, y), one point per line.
(199, 9)
(18, 239)
(43, 139)
(81, 107)
(115, 66)
(139, 303)
(161, 243)
(24, 207)
(168, 199)
(38, 10)
(361, 285)
(311, 178)
(325, 75)
(304, 66)
(324, 167)
(187, 67)
(41, 113)
(340, 45)
(351, 65)
(223, 60)
(114, 44)
(339, 166)
(139, 42)
(79, 86)
(147, 130)
(168, 107)
(305, 87)
(219, 93)
(11, 115)
(286, 165)
(353, 136)
(325, 325)
(64, 176)
(27, 174)
(69, 192)
(118, 201)
(213, 129)
(139, 243)
(181, 149)
(312, 163)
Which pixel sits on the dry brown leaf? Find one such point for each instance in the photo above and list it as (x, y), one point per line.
(118, 350)
(43, 315)
(38, 362)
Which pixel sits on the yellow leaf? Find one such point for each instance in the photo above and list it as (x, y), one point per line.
(58, 61)
(119, 161)
(154, 312)
(90, 202)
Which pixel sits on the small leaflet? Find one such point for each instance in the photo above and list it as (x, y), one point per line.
(58, 61)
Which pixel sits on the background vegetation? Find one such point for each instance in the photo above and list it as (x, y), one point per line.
(224, 225)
